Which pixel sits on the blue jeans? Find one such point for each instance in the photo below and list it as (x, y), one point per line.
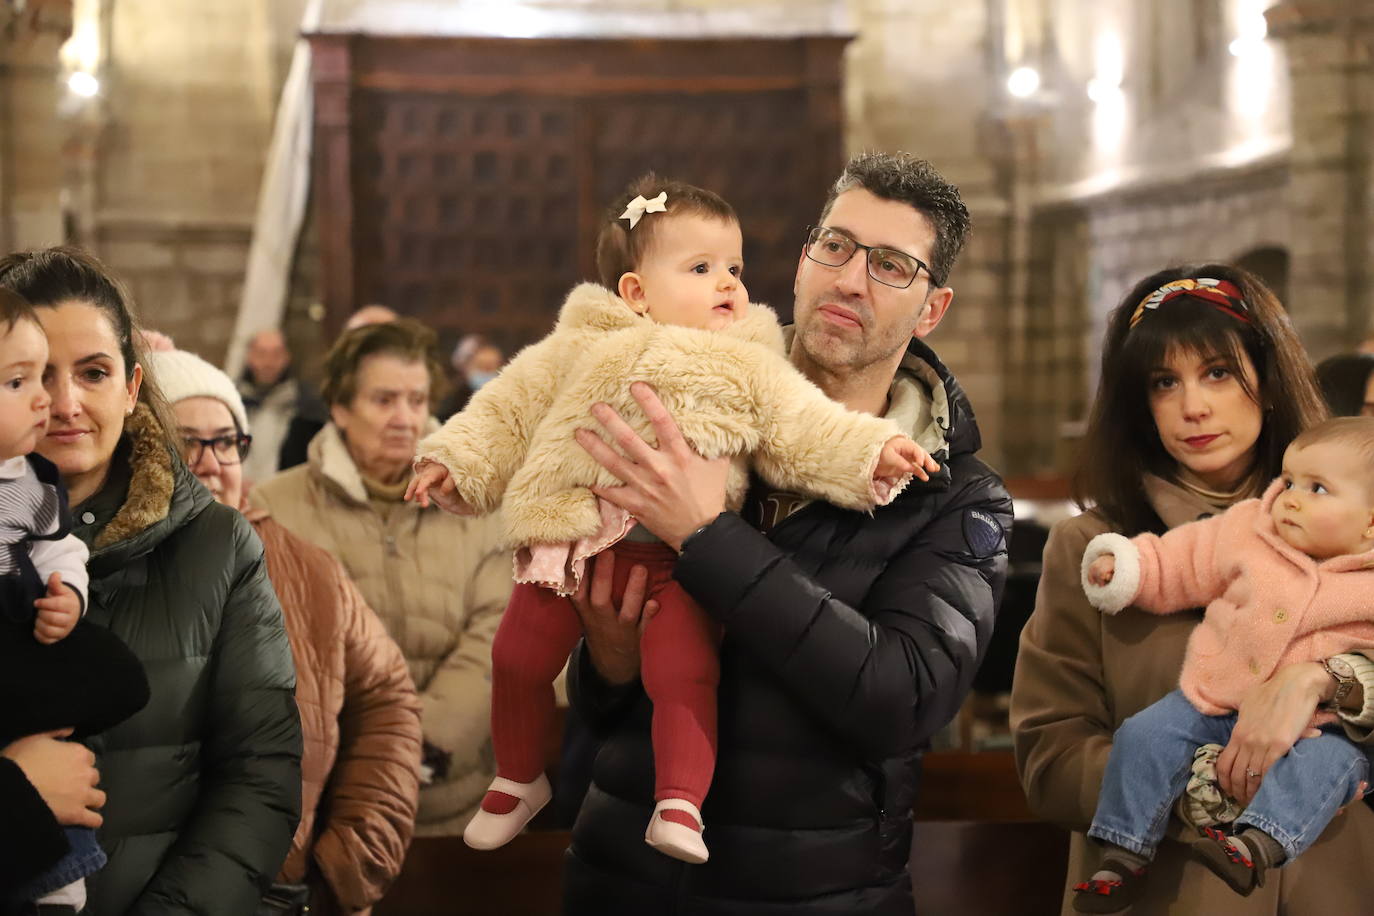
(1151, 758)
(84, 858)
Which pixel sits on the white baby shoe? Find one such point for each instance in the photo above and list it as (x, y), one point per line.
(674, 839)
(490, 831)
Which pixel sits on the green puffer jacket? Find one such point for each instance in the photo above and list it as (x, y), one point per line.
(204, 783)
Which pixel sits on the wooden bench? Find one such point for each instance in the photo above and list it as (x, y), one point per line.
(976, 852)
(964, 867)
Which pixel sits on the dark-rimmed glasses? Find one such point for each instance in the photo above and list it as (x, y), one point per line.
(229, 449)
(886, 265)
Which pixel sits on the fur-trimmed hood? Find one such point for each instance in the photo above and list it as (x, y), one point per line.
(163, 495)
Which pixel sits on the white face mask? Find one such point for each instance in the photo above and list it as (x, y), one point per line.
(479, 377)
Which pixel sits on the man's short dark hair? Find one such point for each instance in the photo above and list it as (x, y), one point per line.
(908, 180)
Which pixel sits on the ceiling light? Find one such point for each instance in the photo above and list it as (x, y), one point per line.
(1023, 82)
(83, 84)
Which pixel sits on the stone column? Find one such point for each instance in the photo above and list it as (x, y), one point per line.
(30, 138)
(1330, 49)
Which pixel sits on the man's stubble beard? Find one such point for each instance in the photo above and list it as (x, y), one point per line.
(840, 356)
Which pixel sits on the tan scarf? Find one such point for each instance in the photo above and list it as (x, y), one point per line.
(385, 492)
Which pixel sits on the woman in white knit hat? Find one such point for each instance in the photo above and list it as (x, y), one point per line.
(351, 680)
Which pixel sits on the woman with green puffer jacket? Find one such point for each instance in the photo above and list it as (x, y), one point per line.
(204, 784)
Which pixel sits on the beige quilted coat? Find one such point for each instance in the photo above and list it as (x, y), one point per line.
(438, 582)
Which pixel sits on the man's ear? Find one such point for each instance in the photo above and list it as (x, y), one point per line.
(631, 289)
(937, 304)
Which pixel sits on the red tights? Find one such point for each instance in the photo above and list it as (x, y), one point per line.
(679, 668)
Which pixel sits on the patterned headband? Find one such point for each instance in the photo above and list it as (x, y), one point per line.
(1223, 295)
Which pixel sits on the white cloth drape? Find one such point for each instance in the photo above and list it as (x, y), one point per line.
(281, 203)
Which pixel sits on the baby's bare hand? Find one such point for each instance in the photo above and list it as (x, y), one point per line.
(1102, 570)
(446, 497)
(902, 456)
(431, 474)
(58, 612)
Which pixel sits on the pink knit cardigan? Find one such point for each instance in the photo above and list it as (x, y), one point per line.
(1268, 604)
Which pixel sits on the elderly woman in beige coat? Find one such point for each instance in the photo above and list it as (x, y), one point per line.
(1200, 394)
(438, 582)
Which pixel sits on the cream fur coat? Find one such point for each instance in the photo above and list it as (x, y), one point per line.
(732, 392)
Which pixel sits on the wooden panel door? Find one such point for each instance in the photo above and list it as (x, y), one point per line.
(462, 181)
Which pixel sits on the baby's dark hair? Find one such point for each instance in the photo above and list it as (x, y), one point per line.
(14, 308)
(1353, 432)
(620, 249)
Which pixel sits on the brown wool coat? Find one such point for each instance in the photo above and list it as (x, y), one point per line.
(731, 393)
(360, 720)
(1080, 673)
(438, 582)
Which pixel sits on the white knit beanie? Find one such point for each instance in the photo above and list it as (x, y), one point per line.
(182, 375)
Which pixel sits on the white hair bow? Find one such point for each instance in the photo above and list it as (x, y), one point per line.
(639, 206)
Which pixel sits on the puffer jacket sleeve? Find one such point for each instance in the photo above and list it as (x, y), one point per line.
(1060, 722)
(456, 703)
(484, 444)
(373, 790)
(884, 678)
(250, 798)
(31, 840)
(813, 445)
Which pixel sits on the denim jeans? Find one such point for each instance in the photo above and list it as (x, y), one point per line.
(1150, 762)
(84, 858)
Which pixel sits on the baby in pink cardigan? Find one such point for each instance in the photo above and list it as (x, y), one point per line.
(1286, 578)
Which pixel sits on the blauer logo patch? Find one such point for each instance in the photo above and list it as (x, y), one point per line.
(982, 533)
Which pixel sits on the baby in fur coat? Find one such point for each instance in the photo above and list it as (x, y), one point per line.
(681, 322)
(1287, 578)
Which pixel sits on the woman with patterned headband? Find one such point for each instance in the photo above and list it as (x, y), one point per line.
(1203, 386)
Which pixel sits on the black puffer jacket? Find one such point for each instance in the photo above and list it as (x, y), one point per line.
(204, 784)
(849, 640)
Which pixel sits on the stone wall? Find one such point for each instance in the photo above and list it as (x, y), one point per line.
(169, 195)
(1087, 253)
(1184, 157)
(30, 133)
(1330, 45)
(901, 94)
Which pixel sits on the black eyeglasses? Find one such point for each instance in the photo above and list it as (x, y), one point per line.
(226, 449)
(886, 265)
